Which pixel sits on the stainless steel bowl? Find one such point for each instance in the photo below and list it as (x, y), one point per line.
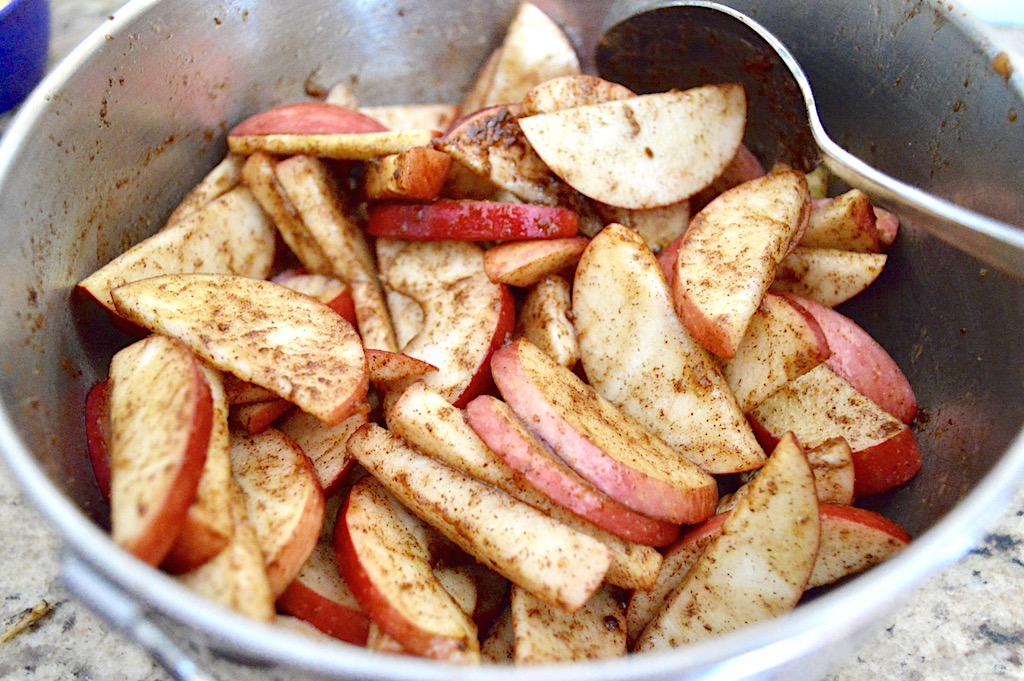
(102, 152)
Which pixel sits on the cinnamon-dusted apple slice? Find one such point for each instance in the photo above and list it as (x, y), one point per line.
(259, 331)
(431, 424)
(255, 417)
(160, 416)
(545, 319)
(466, 315)
(418, 174)
(566, 92)
(412, 116)
(758, 566)
(544, 634)
(549, 559)
(862, 361)
(339, 146)
(388, 568)
(312, 189)
(224, 177)
(638, 355)
(524, 263)
(331, 291)
(744, 166)
(667, 146)
(828, 276)
(853, 540)
(657, 226)
(599, 441)
(821, 405)
(508, 437)
(845, 222)
(230, 235)
(324, 444)
(730, 255)
(782, 341)
(283, 500)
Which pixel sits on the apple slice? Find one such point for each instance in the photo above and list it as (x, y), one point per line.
(230, 235)
(388, 368)
(311, 188)
(363, 146)
(782, 341)
(431, 424)
(853, 540)
(470, 221)
(524, 263)
(862, 361)
(466, 315)
(415, 175)
(235, 577)
(657, 226)
(545, 319)
(160, 416)
(758, 566)
(507, 436)
(388, 569)
(283, 500)
(845, 222)
(306, 117)
(637, 354)
(730, 255)
(667, 146)
(567, 92)
(224, 177)
(826, 275)
(821, 405)
(259, 331)
(743, 167)
(97, 434)
(551, 560)
(599, 441)
(498, 646)
(545, 635)
(331, 291)
(888, 226)
(255, 417)
(413, 116)
(209, 524)
(325, 445)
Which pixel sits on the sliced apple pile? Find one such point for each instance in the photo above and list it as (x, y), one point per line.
(549, 374)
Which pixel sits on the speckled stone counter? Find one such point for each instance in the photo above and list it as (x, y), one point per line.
(966, 623)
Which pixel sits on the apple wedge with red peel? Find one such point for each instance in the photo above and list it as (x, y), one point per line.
(331, 291)
(853, 540)
(888, 226)
(320, 596)
(730, 254)
(418, 174)
(324, 445)
(224, 177)
(599, 441)
(230, 235)
(362, 146)
(566, 92)
(845, 222)
(236, 577)
(667, 146)
(820, 405)
(545, 319)
(758, 566)
(160, 416)
(547, 635)
(644, 604)
(466, 315)
(524, 263)
(255, 417)
(637, 354)
(783, 341)
(283, 500)
(312, 189)
(834, 474)
(97, 434)
(307, 117)
(259, 331)
(395, 369)
(828, 276)
(553, 561)
(743, 167)
(658, 227)
(862, 361)
(466, 220)
(431, 424)
(209, 524)
(507, 436)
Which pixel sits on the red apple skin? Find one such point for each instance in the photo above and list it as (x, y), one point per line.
(468, 220)
(96, 435)
(873, 536)
(483, 382)
(341, 302)
(498, 427)
(307, 118)
(859, 358)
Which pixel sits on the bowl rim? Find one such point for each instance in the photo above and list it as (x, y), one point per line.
(736, 655)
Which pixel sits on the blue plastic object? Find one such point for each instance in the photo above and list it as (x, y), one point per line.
(24, 43)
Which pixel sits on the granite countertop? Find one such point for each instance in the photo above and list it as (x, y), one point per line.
(965, 623)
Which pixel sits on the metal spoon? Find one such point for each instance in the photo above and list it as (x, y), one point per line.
(692, 42)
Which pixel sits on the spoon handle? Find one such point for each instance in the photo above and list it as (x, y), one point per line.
(994, 243)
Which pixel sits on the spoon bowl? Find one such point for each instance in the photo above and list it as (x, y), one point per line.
(692, 42)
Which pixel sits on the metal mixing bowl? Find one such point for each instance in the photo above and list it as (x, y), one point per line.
(102, 152)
